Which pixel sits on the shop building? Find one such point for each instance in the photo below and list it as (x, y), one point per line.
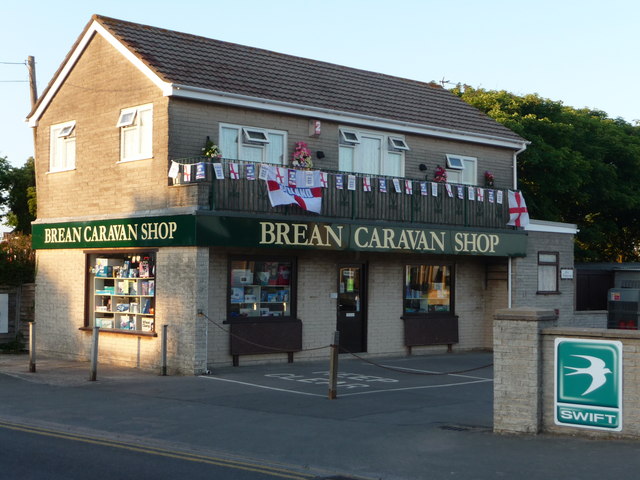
(137, 229)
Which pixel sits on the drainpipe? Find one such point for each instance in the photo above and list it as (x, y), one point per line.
(515, 164)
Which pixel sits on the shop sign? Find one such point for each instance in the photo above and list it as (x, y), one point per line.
(588, 384)
(213, 230)
(123, 232)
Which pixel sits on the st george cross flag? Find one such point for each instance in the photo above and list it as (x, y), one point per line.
(234, 171)
(518, 213)
(408, 187)
(280, 193)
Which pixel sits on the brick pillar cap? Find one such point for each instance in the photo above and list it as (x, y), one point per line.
(527, 314)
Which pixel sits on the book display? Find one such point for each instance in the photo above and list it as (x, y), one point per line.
(260, 289)
(123, 296)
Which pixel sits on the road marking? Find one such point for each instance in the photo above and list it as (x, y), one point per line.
(262, 386)
(191, 457)
(485, 380)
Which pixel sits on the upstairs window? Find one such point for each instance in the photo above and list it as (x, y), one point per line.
(63, 147)
(136, 128)
(462, 169)
(251, 144)
(374, 153)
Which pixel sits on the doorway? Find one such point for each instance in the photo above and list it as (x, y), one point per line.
(352, 307)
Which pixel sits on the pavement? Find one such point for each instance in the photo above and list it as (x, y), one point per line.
(420, 417)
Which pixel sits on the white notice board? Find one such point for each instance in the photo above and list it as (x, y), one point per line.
(4, 313)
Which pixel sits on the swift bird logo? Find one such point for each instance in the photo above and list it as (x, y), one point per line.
(597, 369)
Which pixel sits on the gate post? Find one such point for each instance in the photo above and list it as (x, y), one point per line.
(517, 359)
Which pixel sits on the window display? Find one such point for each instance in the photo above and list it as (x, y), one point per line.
(427, 289)
(122, 295)
(260, 288)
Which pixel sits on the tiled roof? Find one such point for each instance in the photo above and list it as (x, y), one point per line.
(210, 64)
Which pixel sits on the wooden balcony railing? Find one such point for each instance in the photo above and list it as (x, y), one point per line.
(244, 195)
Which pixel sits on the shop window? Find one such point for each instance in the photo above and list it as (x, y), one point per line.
(261, 288)
(122, 291)
(63, 147)
(252, 144)
(136, 128)
(548, 266)
(428, 289)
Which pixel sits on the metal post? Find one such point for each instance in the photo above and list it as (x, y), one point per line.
(94, 354)
(164, 350)
(333, 367)
(32, 347)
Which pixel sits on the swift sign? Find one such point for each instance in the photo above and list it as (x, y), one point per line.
(588, 384)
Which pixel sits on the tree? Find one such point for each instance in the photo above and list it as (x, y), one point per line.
(17, 194)
(581, 167)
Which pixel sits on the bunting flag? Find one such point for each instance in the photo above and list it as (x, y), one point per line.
(174, 170)
(201, 171)
(396, 185)
(323, 180)
(281, 193)
(449, 190)
(434, 189)
(480, 194)
(339, 182)
(217, 168)
(366, 184)
(186, 173)
(460, 192)
(518, 213)
(264, 172)
(423, 189)
(408, 187)
(491, 196)
(382, 185)
(499, 194)
(250, 169)
(351, 182)
(234, 171)
(471, 193)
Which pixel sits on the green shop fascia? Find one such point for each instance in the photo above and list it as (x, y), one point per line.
(212, 230)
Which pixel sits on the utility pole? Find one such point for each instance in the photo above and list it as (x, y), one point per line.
(31, 65)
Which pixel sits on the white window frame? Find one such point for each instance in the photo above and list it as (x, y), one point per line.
(349, 136)
(131, 130)
(398, 143)
(462, 169)
(265, 145)
(387, 153)
(253, 136)
(62, 151)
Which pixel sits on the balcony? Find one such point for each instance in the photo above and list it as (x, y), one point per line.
(251, 196)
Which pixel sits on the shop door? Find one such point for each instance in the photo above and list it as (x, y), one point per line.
(352, 307)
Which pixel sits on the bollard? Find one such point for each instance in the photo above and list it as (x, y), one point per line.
(94, 354)
(164, 350)
(333, 367)
(32, 347)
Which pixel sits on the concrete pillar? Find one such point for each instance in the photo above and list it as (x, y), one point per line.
(517, 357)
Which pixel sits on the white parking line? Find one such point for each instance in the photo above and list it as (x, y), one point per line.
(412, 388)
(262, 386)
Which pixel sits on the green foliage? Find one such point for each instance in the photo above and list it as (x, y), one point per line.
(17, 260)
(18, 194)
(581, 167)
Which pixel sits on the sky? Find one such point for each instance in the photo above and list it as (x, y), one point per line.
(583, 53)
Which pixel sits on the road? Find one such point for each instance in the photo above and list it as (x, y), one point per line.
(44, 453)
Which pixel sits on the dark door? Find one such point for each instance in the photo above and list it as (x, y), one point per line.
(352, 307)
